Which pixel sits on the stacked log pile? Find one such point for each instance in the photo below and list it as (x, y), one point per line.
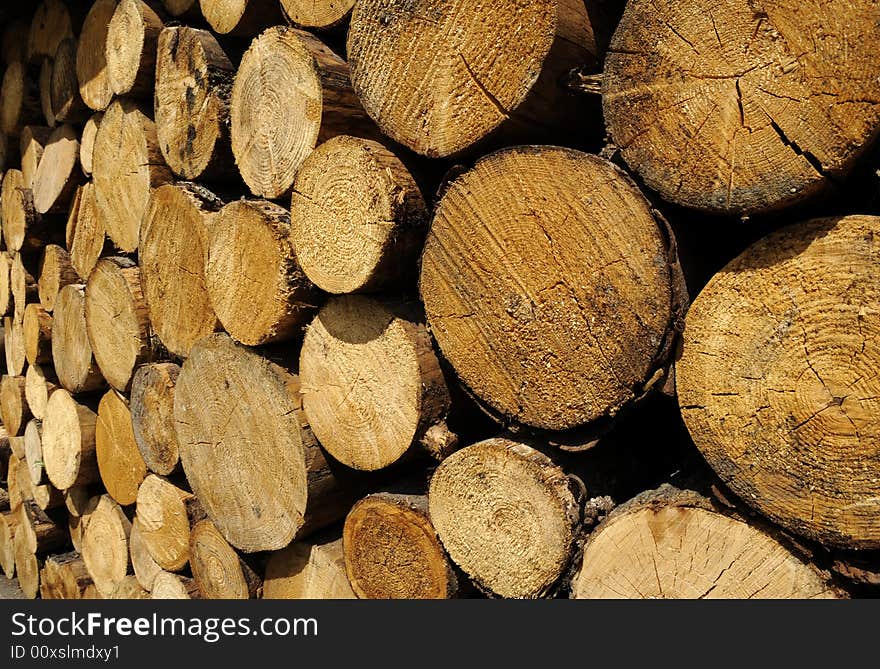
(374, 299)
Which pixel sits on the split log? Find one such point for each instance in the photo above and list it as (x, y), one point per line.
(174, 586)
(193, 89)
(219, 572)
(37, 332)
(64, 577)
(291, 92)
(172, 253)
(307, 571)
(152, 416)
(119, 460)
(452, 89)
(20, 217)
(117, 320)
(24, 289)
(13, 405)
(257, 288)
(125, 179)
(33, 452)
(69, 442)
(392, 550)
(8, 525)
(166, 513)
(752, 111)
(773, 379)
(57, 175)
(506, 515)
(692, 552)
(91, 58)
(526, 251)
(37, 389)
(361, 356)
(259, 473)
(40, 533)
(66, 102)
(13, 46)
(72, 354)
(56, 271)
(145, 567)
(317, 14)
(105, 545)
(87, 236)
(242, 18)
(27, 567)
(50, 25)
(129, 588)
(6, 305)
(357, 217)
(13, 346)
(44, 87)
(19, 99)
(131, 49)
(87, 142)
(31, 142)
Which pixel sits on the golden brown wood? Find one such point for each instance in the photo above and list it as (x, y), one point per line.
(119, 461)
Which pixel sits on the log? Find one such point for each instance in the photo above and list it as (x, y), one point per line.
(64, 577)
(50, 25)
(74, 361)
(91, 58)
(87, 142)
(40, 533)
(773, 379)
(88, 235)
(129, 588)
(31, 142)
(14, 42)
(66, 102)
(13, 405)
(124, 180)
(13, 346)
(8, 525)
(57, 175)
(37, 332)
(260, 475)
(759, 131)
(317, 14)
(550, 311)
(24, 289)
(742, 561)
(37, 389)
(80, 501)
(218, 571)
(105, 545)
(6, 305)
(392, 550)
(166, 513)
(131, 49)
(118, 321)
(27, 567)
(256, 286)
(174, 586)
(241, 18)
(188, 9)
(359, 357)
(193, 87)
(172, 253)
(20, 217)
(69, 442)
(454, 87)
(307, 571)
(119, 461)
(33, 452)
(290, 93)
(47, 496)
(152, 416)
(357, 217)
(20, 95)
(145, 567)
(44, 85)
(506, 515)
(56, 271)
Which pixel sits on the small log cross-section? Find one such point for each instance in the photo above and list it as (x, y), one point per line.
(20, 217)
(242, 444)
(357, 218)
(174, 586)
(131, 49)
(143, 564)
(91, 56)
(69, 442)
(551, 311)
(71, 351)
(58, 173)
(217, 569)
(193, 89)
(152, 415)
(741, 108)
(172, 253)
(64, 577)
(117, 320)
(317, 14)
(779, 379)
(19, 100)
(105, 545)
(37, 389)
(290, 93)
(242, 18)
(56, 271)
(361, 356)
(87, 236)
(67, 104)
(50, 25)
(32, 142)
(166, 514)
(671, 544)
(506, 515)
(257, 288)
(87, 142)
(13, 405)
(37, 332)
(392, 551)
(307, 570)
(119, 460)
